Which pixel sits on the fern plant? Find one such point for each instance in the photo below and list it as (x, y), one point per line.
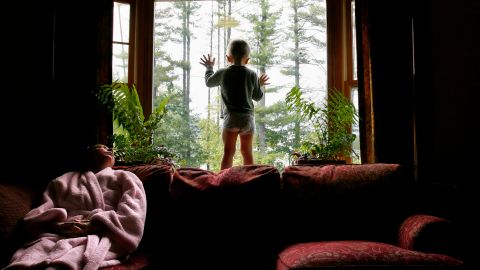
(133, 134)
(332, 122)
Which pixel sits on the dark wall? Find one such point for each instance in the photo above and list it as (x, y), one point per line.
(64, 113)
(426, 90)
(448, 90)
(456, 96)
(425, 64)
(392, 81)
(447, 95)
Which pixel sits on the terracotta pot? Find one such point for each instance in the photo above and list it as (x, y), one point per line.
(318, 162)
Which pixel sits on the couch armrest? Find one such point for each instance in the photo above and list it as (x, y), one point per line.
(428, 234)
(15, 202)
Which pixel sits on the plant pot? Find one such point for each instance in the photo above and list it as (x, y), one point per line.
(158, 161)
(129, 163)
(318, 162)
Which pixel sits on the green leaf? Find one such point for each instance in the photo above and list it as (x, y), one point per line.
(132, 140)
(332, 121)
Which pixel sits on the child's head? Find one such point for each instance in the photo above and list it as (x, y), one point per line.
(97, 157)
(238, 52)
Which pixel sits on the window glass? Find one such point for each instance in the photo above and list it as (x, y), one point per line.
(121, 44)
(356, 157)
(120, 62)
(292, 54)
(354, 42)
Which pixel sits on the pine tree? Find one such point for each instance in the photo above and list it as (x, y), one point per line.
(308, 17)
(173, 23)
(265, 34)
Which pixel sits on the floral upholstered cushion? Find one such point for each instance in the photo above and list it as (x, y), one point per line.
(156, 181)
(15, 202)
(236, 186)
(345, 202)
(225, 219)
(134, 262)
(312, 179)
(428, 233)
(205, 197)
(357, 254)
(262, 176)
(150, 172)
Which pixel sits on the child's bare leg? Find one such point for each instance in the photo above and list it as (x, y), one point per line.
(246, 141)
(229, 143)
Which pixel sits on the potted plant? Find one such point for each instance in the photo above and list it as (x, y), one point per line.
(332, 123)
(132, 138)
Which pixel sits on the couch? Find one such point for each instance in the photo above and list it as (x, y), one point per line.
(254, 217)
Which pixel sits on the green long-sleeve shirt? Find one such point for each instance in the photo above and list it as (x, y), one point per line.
(239, 86)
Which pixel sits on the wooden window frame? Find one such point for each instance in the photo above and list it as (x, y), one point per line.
(339, 48)
(140, 60)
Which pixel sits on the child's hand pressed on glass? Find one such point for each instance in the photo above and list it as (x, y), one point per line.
(263, 79)
(207, 61)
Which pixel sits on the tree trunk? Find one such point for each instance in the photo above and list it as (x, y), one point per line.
(187, 71)
(296, 32)
(219, 100)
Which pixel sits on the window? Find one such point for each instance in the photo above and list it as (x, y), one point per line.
(351, 83)
(122, 47)
(173, 35)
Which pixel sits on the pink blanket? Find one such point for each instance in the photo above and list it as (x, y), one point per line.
(114, 198)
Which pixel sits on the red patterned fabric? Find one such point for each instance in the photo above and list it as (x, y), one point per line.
(412, 227)
(344, 202)
(150, 172)
(340, 176)
(255, 178)
(427, 234)
(356, 254)
(134, 262)
(156, 180)
(233, 176)
(224, 220)
(203, 194)
(15, 202)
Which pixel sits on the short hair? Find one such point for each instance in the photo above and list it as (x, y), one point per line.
(238, 48)
(90, 157)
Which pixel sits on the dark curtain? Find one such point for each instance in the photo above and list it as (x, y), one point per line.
(385, 61)
(367, 145)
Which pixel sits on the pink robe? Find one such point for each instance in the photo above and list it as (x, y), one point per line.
(115, 198)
